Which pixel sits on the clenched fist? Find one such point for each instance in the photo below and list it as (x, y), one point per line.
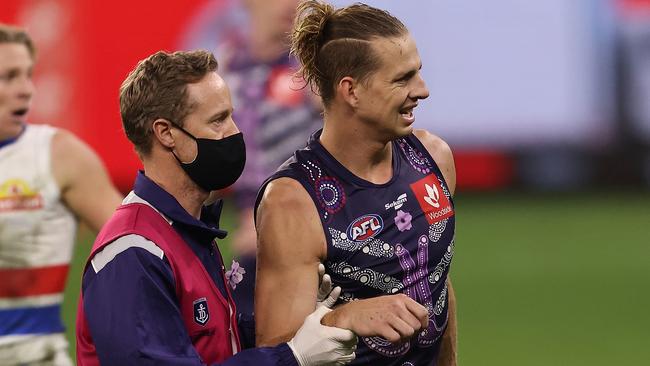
(395, 318)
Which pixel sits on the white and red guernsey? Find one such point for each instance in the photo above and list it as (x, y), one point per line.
(382, 239)
(37, 233)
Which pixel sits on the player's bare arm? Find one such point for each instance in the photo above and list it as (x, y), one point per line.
(442, 154)
(290, 243)
(85, 185)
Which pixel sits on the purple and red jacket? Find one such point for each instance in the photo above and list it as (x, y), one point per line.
(154, 291)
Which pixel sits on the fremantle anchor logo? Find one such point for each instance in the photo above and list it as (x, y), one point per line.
(201, 313)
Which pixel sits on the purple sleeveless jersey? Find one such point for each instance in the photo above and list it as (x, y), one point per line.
(384, 238)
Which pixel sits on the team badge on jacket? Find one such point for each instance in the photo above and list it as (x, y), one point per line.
(201, 313)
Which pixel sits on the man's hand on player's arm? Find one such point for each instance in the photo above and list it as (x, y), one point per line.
(316, 344)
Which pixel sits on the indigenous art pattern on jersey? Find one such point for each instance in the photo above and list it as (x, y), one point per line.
(383, 239)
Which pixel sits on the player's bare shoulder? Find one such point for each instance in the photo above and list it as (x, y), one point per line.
(436, 146)
(72, 158)
(441, 153)
(284, 194)
(287, 214)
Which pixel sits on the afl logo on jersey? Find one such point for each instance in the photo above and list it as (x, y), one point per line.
(365, 227)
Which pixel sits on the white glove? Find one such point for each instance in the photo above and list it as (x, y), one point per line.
(326, 296)
(316, 344)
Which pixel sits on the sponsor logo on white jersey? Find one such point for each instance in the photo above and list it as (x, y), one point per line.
(398, 203)
(17, 195)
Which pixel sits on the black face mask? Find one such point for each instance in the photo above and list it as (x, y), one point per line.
(218, 163)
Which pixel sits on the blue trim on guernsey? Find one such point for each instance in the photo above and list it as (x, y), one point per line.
(33, 320)
(11, 140)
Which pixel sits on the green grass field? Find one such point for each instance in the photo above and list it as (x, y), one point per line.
(540, 279)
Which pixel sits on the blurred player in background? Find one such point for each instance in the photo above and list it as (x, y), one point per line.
(49, 179)
(274, 113)
(154, 289)
(370, 197)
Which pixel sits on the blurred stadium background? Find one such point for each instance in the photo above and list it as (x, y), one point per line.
(546, 105)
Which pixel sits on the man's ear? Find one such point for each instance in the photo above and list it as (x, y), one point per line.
(347, 90)
(162, 132)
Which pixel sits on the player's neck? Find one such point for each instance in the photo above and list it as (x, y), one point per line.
(366, 157)
(10, 130)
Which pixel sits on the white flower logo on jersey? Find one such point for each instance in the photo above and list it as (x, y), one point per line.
(433, 196)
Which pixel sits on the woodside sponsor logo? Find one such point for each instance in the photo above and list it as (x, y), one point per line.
(436, 206)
